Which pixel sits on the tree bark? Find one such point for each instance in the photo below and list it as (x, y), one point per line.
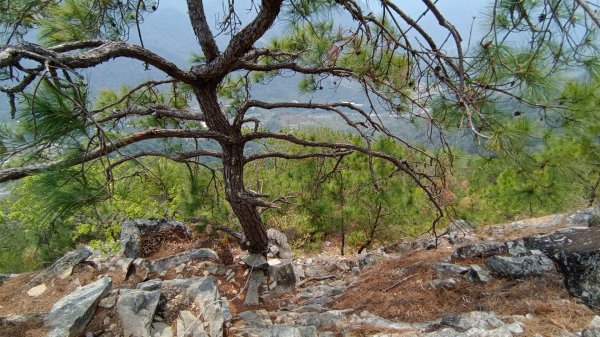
(243, 203)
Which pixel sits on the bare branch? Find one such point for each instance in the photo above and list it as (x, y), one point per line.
(11, 55)
(21, 172)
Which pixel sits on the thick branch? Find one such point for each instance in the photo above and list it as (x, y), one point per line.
(298, 156)
(171, 156)
(22, 172)
(202, 30)
(12, 54)
(242, 42)
(158, 110)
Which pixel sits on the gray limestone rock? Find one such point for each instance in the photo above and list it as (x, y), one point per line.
(204, 293)
(3, 278)
(164, 264)
(160, 329)
(217, 269)
(135, 309)
(517, 248)
(475, 324)
(278, 244)
(62, 265)
(258, 318)
(255, 260)
(593, 329)
(520, 267)
(140, 269)
(478, 274)
(447, 283)
(150, 285)
(459, 231)
(70, 315)
(480, 250)
(476, 319)
(445, 270)
(577, 253)
(133, 230)
(284, 277)
(189, 325)
(256, 277)
(586, 217)
(367, 259)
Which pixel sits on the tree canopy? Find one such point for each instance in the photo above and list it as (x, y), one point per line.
(529, 52)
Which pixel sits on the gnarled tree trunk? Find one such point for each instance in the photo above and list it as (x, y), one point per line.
(243, 204)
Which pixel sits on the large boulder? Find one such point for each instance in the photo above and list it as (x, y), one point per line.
(278, 244)
(133, 231)
(577, 253)
(69, 316)
(520, 266)
(136, 309)
(478, 250)
(62, 265)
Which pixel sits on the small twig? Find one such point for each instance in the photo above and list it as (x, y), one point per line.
(398, 283)
(314, 278)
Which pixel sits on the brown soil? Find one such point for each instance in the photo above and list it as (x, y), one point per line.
(30, 328)
(398, 289)
(15, 301)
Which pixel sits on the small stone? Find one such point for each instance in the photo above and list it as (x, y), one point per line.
(106, 320)
(217, 269)
(479, 274)
(108, 302)
(445, 270)
(68, 272)
(448, 283)
(480, 250)
(37, 290)
(179, 269)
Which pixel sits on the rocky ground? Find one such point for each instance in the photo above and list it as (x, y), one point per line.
(538, 277)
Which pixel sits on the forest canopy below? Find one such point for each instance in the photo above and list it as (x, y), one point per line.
(324, 119)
